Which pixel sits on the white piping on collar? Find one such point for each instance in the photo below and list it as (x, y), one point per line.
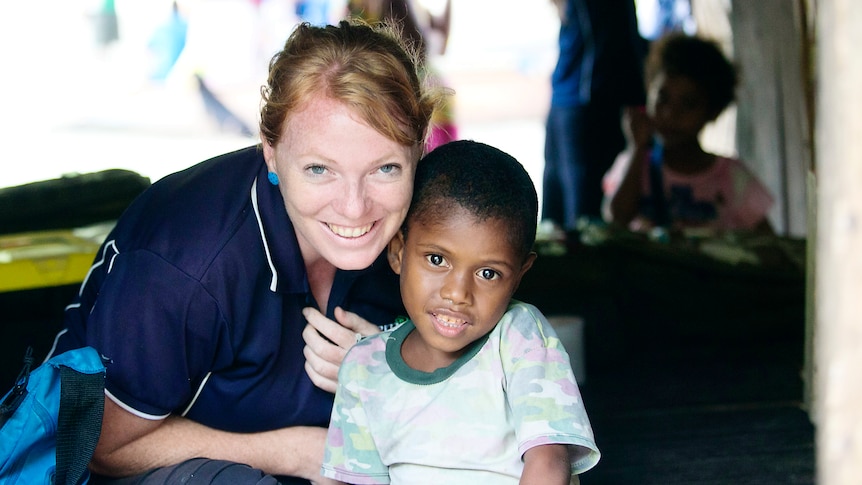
(274, 284)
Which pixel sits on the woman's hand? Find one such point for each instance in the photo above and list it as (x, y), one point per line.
(326, 343)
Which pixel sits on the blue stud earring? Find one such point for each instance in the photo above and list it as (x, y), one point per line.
(273, 178)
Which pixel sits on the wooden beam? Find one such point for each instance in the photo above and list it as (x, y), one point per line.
(838, 334)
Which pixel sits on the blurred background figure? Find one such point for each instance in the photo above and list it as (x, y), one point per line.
(427, 30)
(105, 25)
(224, 118)
(315, 12)
(665, 177)
(167, 43)
(598, 72)
(219, 63)
(109, 98)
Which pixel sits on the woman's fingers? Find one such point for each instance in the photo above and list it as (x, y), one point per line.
(327, 342)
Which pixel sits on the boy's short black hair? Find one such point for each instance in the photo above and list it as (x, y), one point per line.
(698, 59)
(485, 181)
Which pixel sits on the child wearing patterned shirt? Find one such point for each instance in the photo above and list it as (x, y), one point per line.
(664, 177)
(475, 387)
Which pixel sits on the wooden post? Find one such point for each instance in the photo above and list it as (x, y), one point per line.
(838, 337)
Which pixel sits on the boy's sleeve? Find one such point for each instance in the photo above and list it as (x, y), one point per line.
(542, 391)
(351, 455)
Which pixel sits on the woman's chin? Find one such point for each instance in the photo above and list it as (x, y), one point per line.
(353, 259)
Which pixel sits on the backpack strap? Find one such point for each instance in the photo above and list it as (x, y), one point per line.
(51, 420)
(79, 422)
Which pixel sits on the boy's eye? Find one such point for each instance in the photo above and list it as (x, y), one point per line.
(488, 274)
(389, 168)
(317, 169)
(435, 259)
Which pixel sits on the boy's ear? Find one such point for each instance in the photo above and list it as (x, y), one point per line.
(528, 263)
(394, 252)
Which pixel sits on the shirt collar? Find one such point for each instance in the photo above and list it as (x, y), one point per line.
(278, 237)
(281, 246)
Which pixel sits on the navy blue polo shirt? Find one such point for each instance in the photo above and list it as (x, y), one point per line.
(196, 297)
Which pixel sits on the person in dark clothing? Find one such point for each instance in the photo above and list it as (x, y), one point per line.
(598, 72)
(228, 293)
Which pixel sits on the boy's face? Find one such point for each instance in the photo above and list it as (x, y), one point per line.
(457, 277)
(679, 108)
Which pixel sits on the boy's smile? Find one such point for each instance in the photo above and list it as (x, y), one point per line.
(457, 277)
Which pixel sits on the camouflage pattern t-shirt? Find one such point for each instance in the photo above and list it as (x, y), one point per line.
(467, 423)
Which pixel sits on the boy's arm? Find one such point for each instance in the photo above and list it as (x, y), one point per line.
(547, 465)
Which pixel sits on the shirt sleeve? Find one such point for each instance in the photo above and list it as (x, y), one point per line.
(158, 327)
(753, 199)
(542, 391)
(351, 454)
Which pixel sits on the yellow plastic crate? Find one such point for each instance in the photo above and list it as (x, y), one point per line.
(48, 258)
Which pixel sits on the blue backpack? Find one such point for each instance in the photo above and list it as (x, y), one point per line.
(51, 420)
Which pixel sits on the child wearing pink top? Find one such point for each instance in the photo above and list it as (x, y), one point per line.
(664, 177)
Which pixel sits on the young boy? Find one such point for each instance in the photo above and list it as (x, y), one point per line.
(474, 388)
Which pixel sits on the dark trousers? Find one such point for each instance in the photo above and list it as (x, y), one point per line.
(200, 471)
(581, 144)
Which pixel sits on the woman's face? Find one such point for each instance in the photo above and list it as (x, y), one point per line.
(345, 186)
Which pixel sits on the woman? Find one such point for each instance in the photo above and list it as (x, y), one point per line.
(228, 293)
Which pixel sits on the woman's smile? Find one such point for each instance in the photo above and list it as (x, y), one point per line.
(350, 232)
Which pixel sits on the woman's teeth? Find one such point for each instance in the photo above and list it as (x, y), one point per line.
(350, 232)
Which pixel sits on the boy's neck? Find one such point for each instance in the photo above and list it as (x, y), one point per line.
(419, 356)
